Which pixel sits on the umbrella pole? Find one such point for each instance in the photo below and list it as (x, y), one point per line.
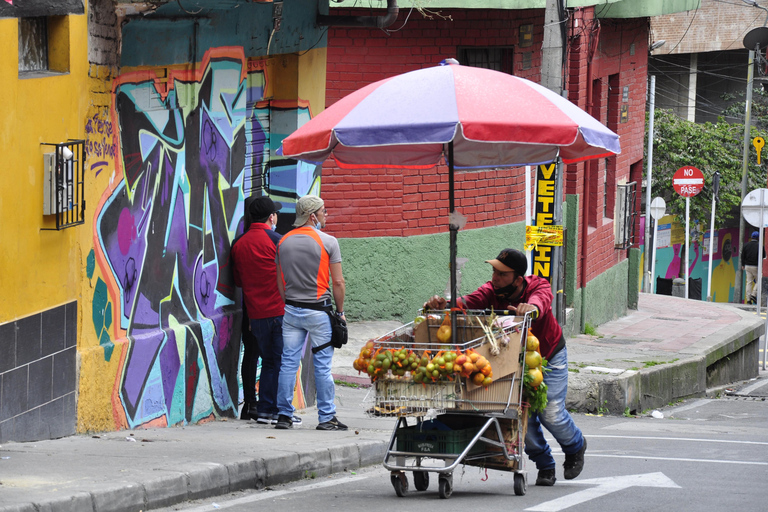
(454, 229)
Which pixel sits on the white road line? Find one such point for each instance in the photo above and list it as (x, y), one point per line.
(697, 403)
(695, 440)
(757, 385)
(268, 495)
(679, 459)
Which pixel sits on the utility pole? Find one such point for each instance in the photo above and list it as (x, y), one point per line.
(745, 158)
(649, 173)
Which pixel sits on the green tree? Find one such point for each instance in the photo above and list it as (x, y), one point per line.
(709, 147)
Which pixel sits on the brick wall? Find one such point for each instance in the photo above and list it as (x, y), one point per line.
(397, 202)
(619, 60)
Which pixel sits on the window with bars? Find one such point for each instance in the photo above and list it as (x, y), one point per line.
(43, 46)
(498, 58)
(33, 44)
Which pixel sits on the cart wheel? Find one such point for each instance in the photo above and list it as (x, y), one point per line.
(446, 487)
(400, 483)
(421, 480)
(520, 484)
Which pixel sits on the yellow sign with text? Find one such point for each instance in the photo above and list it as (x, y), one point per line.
(551, 236)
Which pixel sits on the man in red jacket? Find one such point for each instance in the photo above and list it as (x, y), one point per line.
(255, 271)
(510, 289)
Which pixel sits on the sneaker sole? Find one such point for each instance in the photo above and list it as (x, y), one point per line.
(283, 426)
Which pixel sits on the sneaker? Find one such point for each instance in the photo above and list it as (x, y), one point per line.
(574, 463)
(295, 419)
(546, 477)
(266, 419)
(283, 422)
(332, 424)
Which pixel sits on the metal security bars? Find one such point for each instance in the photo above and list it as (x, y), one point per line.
(625, 215)
(64, 192)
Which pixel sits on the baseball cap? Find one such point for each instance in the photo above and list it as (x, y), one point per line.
(510, 259)
(305, 207)
(263, 207)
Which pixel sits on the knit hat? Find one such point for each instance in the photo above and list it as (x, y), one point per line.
(305, 207)
(755, 234)
(510, 259)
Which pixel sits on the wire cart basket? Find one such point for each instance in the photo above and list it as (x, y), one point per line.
(471, 424)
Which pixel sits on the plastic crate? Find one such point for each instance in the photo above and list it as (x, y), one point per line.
(415, 440)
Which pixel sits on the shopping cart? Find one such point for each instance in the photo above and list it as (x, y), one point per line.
(472, 425)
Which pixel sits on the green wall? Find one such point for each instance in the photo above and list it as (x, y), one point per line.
(391, 277)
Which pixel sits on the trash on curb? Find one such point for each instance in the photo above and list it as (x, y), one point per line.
(657, 414)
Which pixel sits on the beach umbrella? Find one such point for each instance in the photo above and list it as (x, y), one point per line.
(465, 117)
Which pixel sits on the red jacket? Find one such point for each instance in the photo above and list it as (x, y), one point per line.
(538, 292)
(255, 271)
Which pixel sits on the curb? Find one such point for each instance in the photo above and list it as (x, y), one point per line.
(212, 479)
(715, 360)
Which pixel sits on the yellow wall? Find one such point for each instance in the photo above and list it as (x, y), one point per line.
(38, 269)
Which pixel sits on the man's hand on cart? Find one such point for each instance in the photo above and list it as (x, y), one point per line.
(524, 308)
(436, 302)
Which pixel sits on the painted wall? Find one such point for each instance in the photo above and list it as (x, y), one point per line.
(725, 258)
(177, 145)
(39, 269)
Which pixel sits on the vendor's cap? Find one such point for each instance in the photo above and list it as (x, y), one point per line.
(305, 207)
(262, 207)
(755, 234)
(510, 259)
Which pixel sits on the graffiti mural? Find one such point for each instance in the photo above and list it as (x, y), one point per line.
(189, 150)
(670, 255)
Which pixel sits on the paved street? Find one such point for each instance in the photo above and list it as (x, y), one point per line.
(704, 454)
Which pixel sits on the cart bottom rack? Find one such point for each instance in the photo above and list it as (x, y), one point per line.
(441, 445)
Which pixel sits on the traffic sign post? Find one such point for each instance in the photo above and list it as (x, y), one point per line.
(715, 199)
(754, 209)
(658, 208)
(688, 181)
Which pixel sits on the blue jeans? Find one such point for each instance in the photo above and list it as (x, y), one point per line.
(269, 338)
(300, 324)
(554, 417)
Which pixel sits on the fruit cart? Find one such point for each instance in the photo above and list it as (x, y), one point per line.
(474, 421)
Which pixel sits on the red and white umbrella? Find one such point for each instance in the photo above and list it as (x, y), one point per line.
(464, 116)
(493, 120)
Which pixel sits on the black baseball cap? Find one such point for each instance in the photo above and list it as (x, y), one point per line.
(262, 207)
(510, 259)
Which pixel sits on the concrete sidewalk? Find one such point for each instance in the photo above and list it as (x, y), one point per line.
(669, 348)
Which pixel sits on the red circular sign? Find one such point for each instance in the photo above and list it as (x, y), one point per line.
(688, 181)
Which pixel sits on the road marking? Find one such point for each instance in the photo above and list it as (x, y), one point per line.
(605, 486)
(268, 494)
(757, 385)
(680, 459)
(692, 439)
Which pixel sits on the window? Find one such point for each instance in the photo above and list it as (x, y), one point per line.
(33, 44)
(43, 46)
(624, 228)
(498, 58)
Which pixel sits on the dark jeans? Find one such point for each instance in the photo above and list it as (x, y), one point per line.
(269, 338)
(250, 364)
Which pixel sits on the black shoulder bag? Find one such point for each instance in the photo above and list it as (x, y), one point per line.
(339, 334)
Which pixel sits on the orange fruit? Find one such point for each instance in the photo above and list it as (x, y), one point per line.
(481, 363)
(538, 377)
(532, 359)
(478, 379)
(474, 356)
(487, 381)
(486, 370)
(532, 342)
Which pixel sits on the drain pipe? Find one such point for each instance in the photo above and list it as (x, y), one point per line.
(361, 21)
